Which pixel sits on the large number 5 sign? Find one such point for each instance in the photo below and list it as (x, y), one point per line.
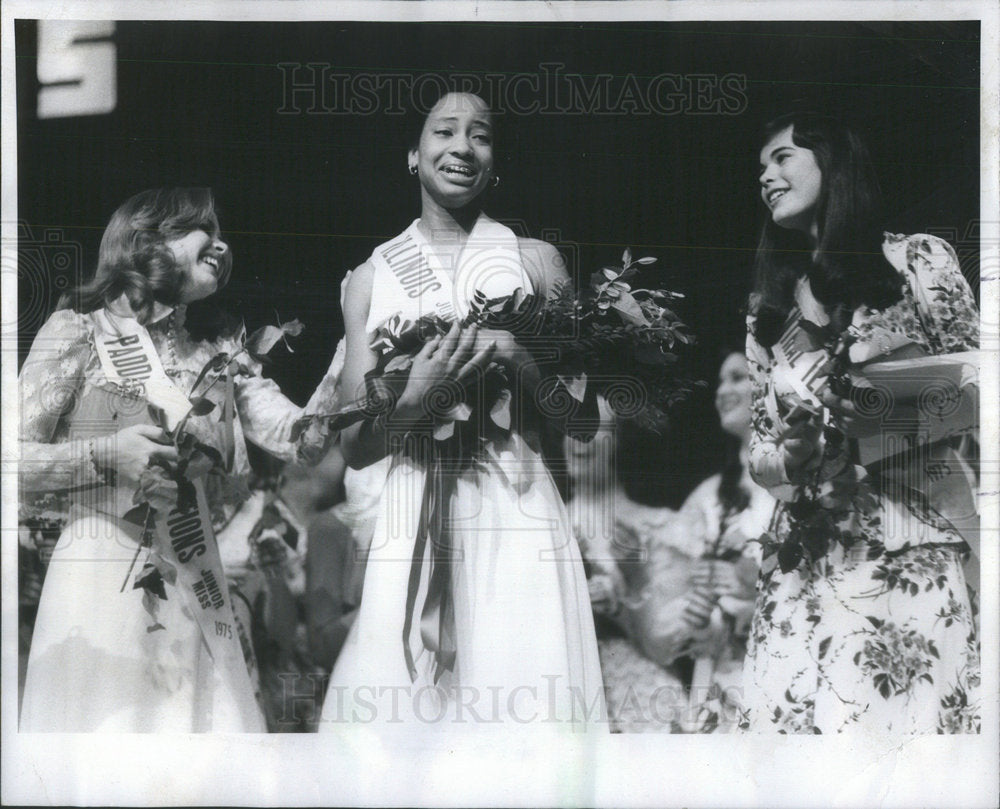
(76, 68)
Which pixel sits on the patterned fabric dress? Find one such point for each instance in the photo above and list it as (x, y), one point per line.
(95, 664)
(879, 636)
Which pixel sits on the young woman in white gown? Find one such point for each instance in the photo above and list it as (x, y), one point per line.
(524, 649)
(99, 661)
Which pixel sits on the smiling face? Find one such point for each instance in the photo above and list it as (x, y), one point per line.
(199, 257)
(790, 182)
(454, 158)
(732, 397)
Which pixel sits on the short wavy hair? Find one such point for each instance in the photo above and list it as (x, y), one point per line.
(134, 258)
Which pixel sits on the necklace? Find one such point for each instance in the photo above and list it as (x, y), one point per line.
(171, 337)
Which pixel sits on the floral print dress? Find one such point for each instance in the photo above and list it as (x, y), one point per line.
(878, 633)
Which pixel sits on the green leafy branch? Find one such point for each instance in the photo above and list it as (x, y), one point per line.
(164, 485)
(823, 502)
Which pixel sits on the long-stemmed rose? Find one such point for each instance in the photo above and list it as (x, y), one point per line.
(165, 485)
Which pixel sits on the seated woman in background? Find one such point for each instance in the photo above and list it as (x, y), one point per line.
(616, 534)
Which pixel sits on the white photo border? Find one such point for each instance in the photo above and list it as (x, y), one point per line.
(498, 768)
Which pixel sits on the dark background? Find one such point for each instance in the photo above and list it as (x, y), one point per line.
(305, 196)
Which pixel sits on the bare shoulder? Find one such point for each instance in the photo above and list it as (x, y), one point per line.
(542, 260)
(358, 291)
(537, 251)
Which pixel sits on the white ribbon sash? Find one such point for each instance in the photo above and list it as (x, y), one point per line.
(414, 278)
(130, 363)
(185, 539)
(807, 383)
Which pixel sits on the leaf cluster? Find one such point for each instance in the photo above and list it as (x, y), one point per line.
(165, 485)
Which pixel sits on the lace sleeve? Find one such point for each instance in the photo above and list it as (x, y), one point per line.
(655, 619)
(656, 622)
(49, 386)
(267, 415)
(701, 511)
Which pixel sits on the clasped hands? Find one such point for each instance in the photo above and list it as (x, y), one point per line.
(728, 585)
(456, 357)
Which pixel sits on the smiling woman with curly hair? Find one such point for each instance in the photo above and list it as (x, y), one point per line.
(112, 650)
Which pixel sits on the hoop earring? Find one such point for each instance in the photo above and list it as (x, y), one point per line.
(413, 170)
(496, 180)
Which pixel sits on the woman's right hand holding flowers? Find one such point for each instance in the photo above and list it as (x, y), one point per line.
(449, 358)
(128, 452)
(800, 443)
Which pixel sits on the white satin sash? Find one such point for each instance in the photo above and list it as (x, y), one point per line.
(415, 278)
(185, 538)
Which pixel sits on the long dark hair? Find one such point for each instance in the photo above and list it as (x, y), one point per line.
(848, 269)
(733, 496)
(134, 258)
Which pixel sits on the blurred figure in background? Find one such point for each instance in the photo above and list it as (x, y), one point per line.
(708, 620)
(674, 591)
(336, 507)
(335, 566)
(616, 535)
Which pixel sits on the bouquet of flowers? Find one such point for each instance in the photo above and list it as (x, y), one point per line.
(836, 487)
(609, 339)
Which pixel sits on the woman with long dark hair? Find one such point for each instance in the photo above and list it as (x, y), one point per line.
(125, 639)
(862, 619)
(489, 620)
(692, 613)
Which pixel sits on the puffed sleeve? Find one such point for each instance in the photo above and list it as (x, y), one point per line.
(767, 461)
(49, 386)
(947, 311)
(656, 621)
(944, 299)
(267, 415)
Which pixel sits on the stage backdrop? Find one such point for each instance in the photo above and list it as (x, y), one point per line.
(610, 135)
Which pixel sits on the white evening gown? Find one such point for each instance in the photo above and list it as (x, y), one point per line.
(526, 651)
(99, 661)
